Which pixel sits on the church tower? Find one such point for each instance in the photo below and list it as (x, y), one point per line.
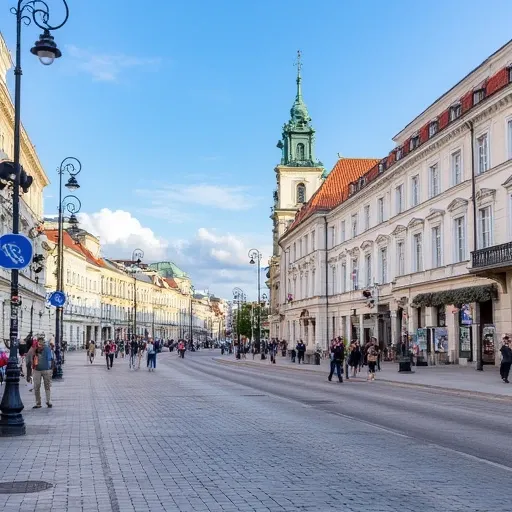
(299, 175)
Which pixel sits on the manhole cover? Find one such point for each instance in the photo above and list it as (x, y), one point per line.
(24, 487)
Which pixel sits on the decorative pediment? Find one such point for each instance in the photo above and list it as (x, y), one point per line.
(383, 240)
(485, 193)
(399, 229)
(415, 222)
(354, 252)
(435, 213)
(367, 244)
(507, 183)
(457, 203)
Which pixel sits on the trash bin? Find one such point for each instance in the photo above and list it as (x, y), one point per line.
(317, 358)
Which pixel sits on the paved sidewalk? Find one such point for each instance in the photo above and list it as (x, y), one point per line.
(449, 377)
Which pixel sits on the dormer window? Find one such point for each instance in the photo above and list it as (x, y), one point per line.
(433, 128)
(478, 95)
(414, 142)
(362, 182)
(398, 153)
(382, 167)
(510, 73)
(455, 111)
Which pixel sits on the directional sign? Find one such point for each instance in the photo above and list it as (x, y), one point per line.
(15, 251)
(57, 299)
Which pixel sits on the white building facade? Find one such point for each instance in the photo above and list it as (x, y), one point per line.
(395, 255)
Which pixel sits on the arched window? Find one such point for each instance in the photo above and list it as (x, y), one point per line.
(301, 193)
(300, 151)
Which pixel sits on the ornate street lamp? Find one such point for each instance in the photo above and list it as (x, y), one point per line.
(71, 166)
(137, 257)
(26, 11)
(255, 259)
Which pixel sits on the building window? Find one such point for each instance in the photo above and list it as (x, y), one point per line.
(300, 249)
(333, 279)
(399, 193)
(509, 137)
(294, 251)
(460, 239)
(301, 193)
(456, 168)
(435, 185)
(313, 240)
(398, 153)
(354, 225)
(380, 209)
(478, 96)
(414, 142)
(367, 217)
(355, 274)
(400, 258)
(368, 268)
(333, 236)
(455, 111)
(343, 277)
(300, 151)
(482, 144)
(343, 233)
(313, 283)
(432, 128)
(417, 252)
(485, 225)
(436, 247)
(415, 190)
(306, 243)
(383, 264)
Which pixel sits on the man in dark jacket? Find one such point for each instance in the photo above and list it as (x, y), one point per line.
(337, 357)
(506, 359)
(301, 350)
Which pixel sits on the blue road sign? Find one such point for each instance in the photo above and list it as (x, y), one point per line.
(15, 251)
(57, 299)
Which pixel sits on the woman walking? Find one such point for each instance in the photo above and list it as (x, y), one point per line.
(91, 351)
(355, 357)
(506, 359)
(371, 355)
(151, 354)
(108, 350)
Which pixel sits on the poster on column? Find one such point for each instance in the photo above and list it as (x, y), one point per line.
(464, 341)
(421, 338)
(441, 339)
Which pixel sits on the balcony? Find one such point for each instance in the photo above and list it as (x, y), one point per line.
(495, 257)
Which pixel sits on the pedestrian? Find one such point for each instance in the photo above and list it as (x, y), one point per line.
(120, 344)
(506, 359)
(181, 349)
(91, 351)
(301, 350)
(109, 355)
(337, 357)
(140, 352)
(371, 357)
(133, 349)
(355, 357)
(42, 363)
(151, 355)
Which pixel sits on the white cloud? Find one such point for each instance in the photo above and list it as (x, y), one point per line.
(217, 261)
(221, 197)
(120, 233)
(105, 67)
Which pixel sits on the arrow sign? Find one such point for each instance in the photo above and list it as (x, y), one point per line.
(15, 251)
(57, 299)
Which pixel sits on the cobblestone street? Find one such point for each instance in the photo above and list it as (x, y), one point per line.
(184, 438)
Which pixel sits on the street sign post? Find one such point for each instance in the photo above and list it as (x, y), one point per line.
(15, 251)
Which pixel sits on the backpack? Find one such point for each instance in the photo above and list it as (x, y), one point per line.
(4, 359)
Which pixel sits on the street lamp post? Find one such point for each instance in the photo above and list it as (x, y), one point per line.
(255, 259)
(71, 166)
(190, 319)
(137, 256)
(239, 298)
(26, 11)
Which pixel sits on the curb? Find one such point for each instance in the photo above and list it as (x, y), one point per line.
(449, 391)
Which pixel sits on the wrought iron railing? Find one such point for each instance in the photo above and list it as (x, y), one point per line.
(493, 256)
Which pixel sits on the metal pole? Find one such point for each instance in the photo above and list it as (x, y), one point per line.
(11, 419)
(59, 311)
(134, 307)
(190, 320)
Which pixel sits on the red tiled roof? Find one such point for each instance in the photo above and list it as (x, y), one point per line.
(334, 190)
(53, 234)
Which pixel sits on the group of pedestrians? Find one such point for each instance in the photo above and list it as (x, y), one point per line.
(134, 350)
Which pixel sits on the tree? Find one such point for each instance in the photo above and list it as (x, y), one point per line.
(243, 323)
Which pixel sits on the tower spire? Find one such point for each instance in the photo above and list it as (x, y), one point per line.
(298, 63)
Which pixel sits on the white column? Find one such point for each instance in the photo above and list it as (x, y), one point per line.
(361, 329)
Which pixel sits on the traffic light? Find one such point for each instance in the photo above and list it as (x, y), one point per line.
(7, 173)
(370, 301)
(25, 181)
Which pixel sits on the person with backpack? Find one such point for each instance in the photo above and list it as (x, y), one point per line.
(337, 357)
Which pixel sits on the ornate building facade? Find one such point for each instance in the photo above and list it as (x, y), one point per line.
(414, 246)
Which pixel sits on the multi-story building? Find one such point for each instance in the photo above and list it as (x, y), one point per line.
(33, 315)
(103, 294)
(415, 246)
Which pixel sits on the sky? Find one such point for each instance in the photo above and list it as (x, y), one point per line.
(175, 108)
